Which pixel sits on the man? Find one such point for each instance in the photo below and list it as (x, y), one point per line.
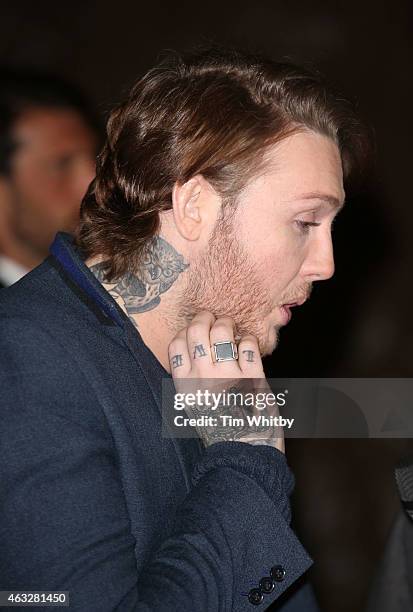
(210, 216)
(48, 140)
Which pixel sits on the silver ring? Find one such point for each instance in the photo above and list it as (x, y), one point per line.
(225, 351)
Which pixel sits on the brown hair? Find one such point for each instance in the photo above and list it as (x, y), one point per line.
(212, 113)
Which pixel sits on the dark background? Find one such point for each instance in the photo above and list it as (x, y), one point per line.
(360, 322)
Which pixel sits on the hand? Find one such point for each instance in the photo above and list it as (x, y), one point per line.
(191, 360)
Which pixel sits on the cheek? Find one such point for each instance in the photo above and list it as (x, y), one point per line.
(51, 192)
(281, 266)
(277, 254)
(34, 185)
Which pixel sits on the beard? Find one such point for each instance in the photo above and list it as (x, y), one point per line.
(224, 281)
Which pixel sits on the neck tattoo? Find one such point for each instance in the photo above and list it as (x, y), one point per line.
(141, 292)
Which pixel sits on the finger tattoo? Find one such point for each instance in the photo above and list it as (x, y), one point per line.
(177, 361)
(199, 351)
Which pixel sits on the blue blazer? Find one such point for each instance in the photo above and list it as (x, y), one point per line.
(94, 500)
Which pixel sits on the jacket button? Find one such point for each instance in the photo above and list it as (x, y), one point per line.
(255, 597)
(267, 584)
(278, 573)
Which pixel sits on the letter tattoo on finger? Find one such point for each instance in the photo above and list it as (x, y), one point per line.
(199, 351)
(177, 361)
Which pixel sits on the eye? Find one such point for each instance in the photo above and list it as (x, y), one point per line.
(60, 165)
(304, 226)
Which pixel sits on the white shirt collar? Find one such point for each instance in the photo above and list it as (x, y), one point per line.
(10, 271)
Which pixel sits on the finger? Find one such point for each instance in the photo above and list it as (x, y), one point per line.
(198, 338)
(249, 357)
(223, 331)
(179, 356)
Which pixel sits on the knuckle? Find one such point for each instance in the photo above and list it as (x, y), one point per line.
(204, 316)
(249, 337)
(195, 330)
(226, 321)
(173, 352)
(222, 329)
(248, 340)
(177, 344)
(180, 335)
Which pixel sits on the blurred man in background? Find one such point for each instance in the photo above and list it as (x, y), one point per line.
(48, 143)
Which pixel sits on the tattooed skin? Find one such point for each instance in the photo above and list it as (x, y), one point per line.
(141, 292)
(249, 355)
(238, 430)
(177, 361)
(199, 351)
(231, 419)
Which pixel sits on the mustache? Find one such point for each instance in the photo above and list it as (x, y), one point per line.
(298, 295)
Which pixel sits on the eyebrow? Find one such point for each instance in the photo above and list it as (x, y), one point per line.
(315, 195)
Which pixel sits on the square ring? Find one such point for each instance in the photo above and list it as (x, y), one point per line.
(225, 351)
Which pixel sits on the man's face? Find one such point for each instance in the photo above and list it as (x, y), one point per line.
(50, 171)
(268, 255)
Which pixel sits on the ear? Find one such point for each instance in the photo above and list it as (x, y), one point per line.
(195, 206)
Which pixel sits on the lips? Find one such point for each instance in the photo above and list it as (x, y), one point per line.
(286, 309)
(286, 314)
(297, 302)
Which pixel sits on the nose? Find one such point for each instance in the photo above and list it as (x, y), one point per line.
(319, 263)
